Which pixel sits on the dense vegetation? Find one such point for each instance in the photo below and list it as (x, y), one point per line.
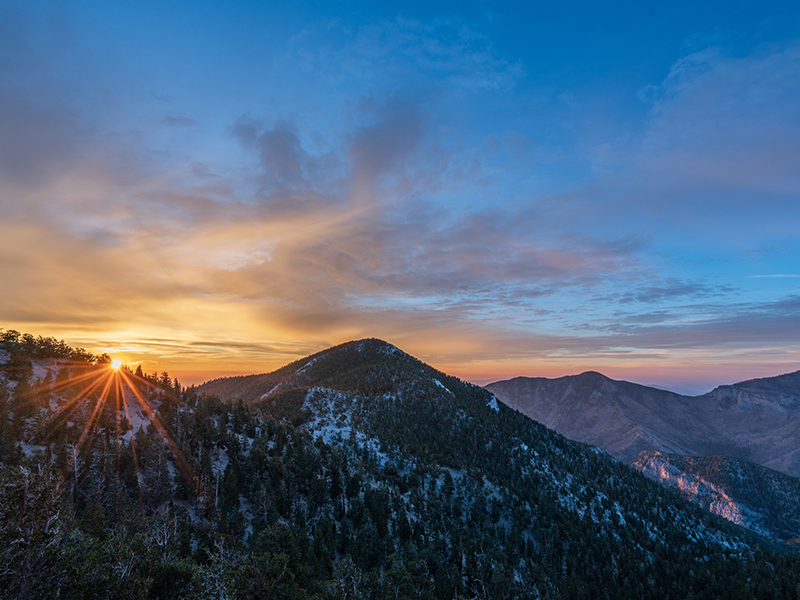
(366, 474)
(764, 500)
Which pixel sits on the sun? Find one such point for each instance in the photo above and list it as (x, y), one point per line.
(116, 364)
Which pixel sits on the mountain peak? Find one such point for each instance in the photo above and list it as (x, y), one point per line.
(593, 374)
(363, 366)
(365, 346)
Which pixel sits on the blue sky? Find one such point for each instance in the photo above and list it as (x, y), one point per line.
(498, 188)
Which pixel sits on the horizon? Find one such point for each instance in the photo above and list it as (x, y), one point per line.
(498, 189)
(196, 378)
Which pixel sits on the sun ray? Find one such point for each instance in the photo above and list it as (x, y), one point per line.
(135, 457)
(35, 394)
(157, 388)
(118, 425)
(88, 428)
(118, 398)
(71, 382)
(177, 455)
(66, 411)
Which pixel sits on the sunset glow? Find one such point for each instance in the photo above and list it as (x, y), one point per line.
(98, 392)
(499, 190)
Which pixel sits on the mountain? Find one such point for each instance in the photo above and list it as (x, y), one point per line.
(367, 366)
(750, 495)
(358, 472)
(756, 420)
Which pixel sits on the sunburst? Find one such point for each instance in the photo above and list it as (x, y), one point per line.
(104, 385)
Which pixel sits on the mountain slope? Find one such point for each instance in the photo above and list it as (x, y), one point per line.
(371, 392)
(359, 472)
(757, 420)
(750, 495)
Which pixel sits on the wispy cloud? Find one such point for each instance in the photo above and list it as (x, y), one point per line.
(365, 206)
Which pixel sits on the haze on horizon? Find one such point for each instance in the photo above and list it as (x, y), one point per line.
(497, 188)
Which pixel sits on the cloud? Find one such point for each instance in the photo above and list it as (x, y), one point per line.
(381, 222)
(669, 289)
(41, 134)
(727, 124)
(721, 148)
(707, 326)
(380, 147)
(375, 252)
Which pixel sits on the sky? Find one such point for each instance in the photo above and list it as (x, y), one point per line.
(497, 188)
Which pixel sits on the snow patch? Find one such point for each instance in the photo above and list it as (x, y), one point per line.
(390, 349)
(136, 414)
(30, 450)
(332, 420)
(305, 366)
(441, 385)
(492, 404)
(220, 462)
(331, 412)
(269, 393)
(40, 369)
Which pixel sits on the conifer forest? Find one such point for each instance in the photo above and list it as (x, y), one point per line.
(359, 472)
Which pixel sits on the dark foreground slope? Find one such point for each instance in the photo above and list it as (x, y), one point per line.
(756, 420)
(362, 473)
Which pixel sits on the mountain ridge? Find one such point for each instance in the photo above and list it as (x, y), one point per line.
(756, 420)
(365, 473)
(253, 387)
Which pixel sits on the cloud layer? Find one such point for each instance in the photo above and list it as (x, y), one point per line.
(387, 202)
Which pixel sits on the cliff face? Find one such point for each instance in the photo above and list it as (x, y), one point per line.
(750, 495)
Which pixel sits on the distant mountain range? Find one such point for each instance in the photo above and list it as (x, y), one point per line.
(756, 420)
(734, 451)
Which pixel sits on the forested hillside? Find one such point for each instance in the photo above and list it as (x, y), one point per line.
(359, 473)
(758, 498)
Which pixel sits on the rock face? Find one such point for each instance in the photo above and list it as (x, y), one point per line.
(747, 494)
(756, 420)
